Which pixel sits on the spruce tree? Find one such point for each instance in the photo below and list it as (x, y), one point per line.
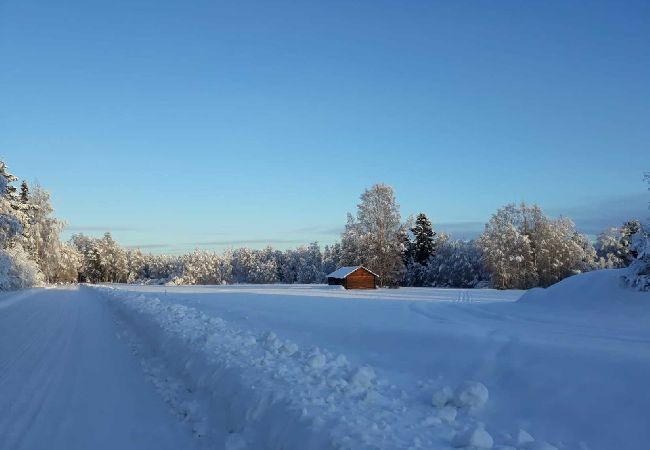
(629, 229)
(24, 192)
(7, 190)
(424, 244)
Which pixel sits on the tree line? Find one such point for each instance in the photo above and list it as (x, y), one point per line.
(520, 248)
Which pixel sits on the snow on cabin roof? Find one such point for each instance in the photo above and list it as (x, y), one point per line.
(343, 272)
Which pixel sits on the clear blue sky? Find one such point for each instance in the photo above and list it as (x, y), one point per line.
(178, 124)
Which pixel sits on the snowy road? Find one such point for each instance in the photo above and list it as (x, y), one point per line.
(67, 382)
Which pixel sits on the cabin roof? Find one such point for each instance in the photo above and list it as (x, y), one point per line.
(343, 272)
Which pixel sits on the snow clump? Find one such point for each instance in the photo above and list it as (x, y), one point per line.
(475, 437)
(471, 394)
(522, 438)
(442, 396)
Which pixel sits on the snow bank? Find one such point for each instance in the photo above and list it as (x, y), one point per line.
(243, 390)
(475, 437)
(600, 289)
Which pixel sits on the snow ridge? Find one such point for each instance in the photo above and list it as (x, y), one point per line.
(244, 391)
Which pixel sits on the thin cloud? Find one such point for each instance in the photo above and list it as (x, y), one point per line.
(149, 246)
(461, 230)
(93, 228)
(319, 229)
(595, 217)
(247, 242)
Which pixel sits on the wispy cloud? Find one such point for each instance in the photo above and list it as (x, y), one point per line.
(590, 218)
(245, 242)
(319, 229)
(594, 217)
(461, 230)
(150, 246)
(184, 247)
(102, 228)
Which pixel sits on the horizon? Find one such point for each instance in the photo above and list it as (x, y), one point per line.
(212, 126)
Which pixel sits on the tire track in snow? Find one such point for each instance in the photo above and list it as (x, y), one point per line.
(48, 338)
(68, 383)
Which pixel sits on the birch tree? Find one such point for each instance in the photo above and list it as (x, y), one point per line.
(375, 238)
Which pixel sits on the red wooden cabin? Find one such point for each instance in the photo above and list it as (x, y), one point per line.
(353, 277)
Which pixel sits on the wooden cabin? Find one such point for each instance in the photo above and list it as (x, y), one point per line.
(353, 277)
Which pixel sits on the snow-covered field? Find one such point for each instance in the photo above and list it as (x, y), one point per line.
(265, 367)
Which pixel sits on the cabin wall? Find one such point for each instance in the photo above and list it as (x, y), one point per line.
(336, 281)
(360, 279)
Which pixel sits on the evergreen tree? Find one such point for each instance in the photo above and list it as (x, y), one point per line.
(17, 269)
(424, 245)
(629, 229)
(7, 190)
(638, 275)
(614, 245)
(24, 192)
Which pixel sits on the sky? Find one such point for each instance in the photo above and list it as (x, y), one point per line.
(208, 124)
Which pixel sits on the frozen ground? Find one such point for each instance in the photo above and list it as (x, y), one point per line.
(252, 367)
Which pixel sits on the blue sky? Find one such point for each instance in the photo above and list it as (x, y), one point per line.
(214, 124)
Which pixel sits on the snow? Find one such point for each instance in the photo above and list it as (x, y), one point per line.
(548, 373)
(471, 394)
(308, 367)
(442, 396)
(523, 438)
(598, 291)
(271, 396)
(68, 383)
(343, 272)
(475, 437)
(447, 413)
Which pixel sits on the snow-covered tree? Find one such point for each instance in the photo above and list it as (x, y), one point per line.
(17, 269)
(24, 192)
(638, 275)
(113, 260)
(203, 267)
(103, 259)
(254, 266)
(522, 248)
(90, 269)
(352, 251)
(331, 258)
(507, 249)
(135, 262)
(375, 238)
(613, 246)
(609, 250)
(7, 189)
(58, 262)
(310, 264)
(12, 220)
(424, 244)
(560, 251)
(457, 264)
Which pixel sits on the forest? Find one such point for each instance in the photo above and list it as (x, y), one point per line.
(520, 248)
